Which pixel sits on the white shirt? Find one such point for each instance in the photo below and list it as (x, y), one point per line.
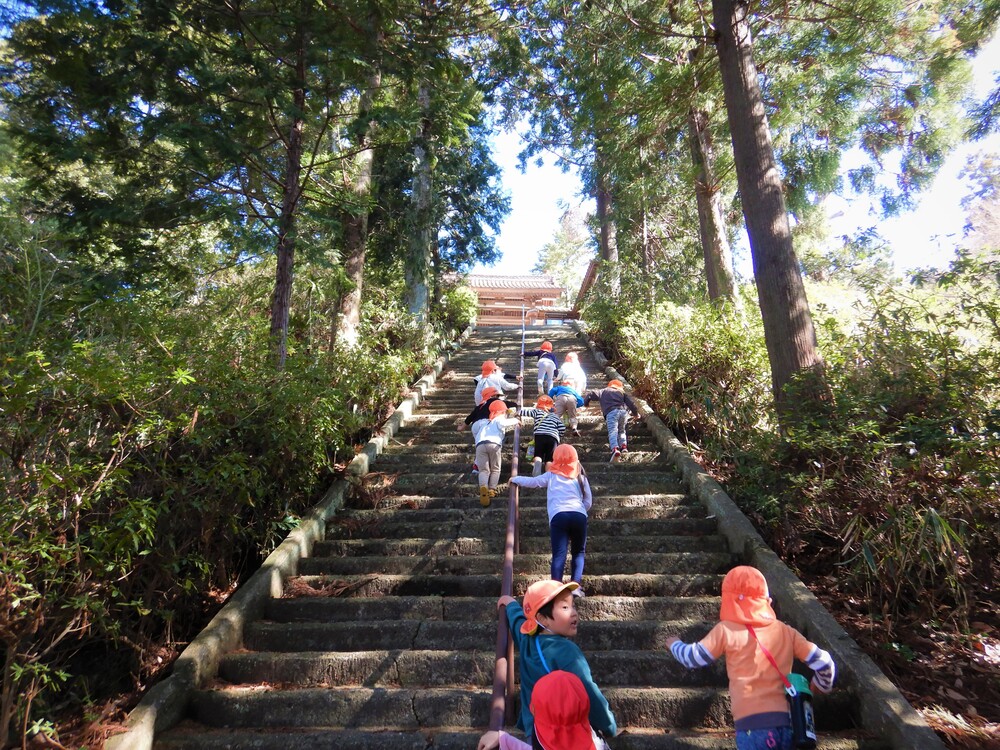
(491, 430)
(564, 494)
(497, 381)
(573, 371)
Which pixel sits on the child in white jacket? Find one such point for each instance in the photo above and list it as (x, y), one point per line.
(489, 434)
(568, 500)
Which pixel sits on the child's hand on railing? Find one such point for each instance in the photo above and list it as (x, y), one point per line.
(504, 600)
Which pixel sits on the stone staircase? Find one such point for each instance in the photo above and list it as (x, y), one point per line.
(386, 639)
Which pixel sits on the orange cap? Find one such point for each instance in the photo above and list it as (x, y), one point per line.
(544, 402)
(565, 462)
(616, 384)
(497, 408)
(546, 346)
(561, 709)
(489, 367)
(745, 597)
(488, 393)
(571, 357)
(537, 596)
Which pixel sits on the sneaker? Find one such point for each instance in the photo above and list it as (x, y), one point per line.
(475, 468)
(494, 492)
(616, 456)
(484, 496)
(576, 432)
(578, 592)
(623, 448)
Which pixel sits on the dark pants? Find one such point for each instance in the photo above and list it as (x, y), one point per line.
(545, 446)
(568, 528)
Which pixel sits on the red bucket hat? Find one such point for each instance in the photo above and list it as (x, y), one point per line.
(488, 393)
(546, 346)
(497, 408)
(616, 384)
(489, 367)
(561, 709)
(565, 461)
(745, 597)
(545, 402)
(537, 596)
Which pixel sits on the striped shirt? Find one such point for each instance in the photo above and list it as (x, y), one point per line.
(546, 422)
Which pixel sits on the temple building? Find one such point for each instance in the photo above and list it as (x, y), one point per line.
(502, 298)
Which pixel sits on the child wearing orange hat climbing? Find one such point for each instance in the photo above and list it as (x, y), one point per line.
(489, 435)
(615, 406)
(561, 710)
(568, 499)
(547, 433)
(759, 650)
(493, 377)
(547, 366)
(542, 630)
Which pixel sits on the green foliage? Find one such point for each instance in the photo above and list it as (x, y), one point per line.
(459, 308)
(151, 455)
(895, 476)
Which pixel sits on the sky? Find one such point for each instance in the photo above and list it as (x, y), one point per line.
(920, 238)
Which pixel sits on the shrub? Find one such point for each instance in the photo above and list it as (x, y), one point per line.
(151, 456)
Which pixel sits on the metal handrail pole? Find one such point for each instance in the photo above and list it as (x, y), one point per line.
(501, 703)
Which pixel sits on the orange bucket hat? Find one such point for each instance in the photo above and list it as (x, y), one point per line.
(546, 346)
(561, 709)
(497, 408)
(489, 367)
(745, 597)
(616, 384)
(545, 402)
(537, 596)
(488, 393)
(565, 461)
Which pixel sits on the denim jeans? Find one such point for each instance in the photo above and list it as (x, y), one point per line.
(777, 738)
(616, 420)
(568, 528)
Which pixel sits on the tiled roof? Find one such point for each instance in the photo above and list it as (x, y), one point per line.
(505, 281)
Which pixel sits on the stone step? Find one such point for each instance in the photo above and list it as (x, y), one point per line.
(430, 708)
(489, 526)
(597, 563)
(192, 736)
(446, 455)
(444, 635)
(636, 584)
(412, 668)
(450, 485)
(482, 608)
(361, 501)
(493, 545)
(532, 509)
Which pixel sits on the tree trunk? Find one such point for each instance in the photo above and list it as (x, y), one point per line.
(712, 227)
(788, 326)
(282, 298)
(606, 236)
(418, 262)
(356, 222)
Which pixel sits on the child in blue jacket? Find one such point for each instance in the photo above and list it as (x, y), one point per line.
(542, 630)
(566, 401)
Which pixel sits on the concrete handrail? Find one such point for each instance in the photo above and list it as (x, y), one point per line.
(883, 709)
